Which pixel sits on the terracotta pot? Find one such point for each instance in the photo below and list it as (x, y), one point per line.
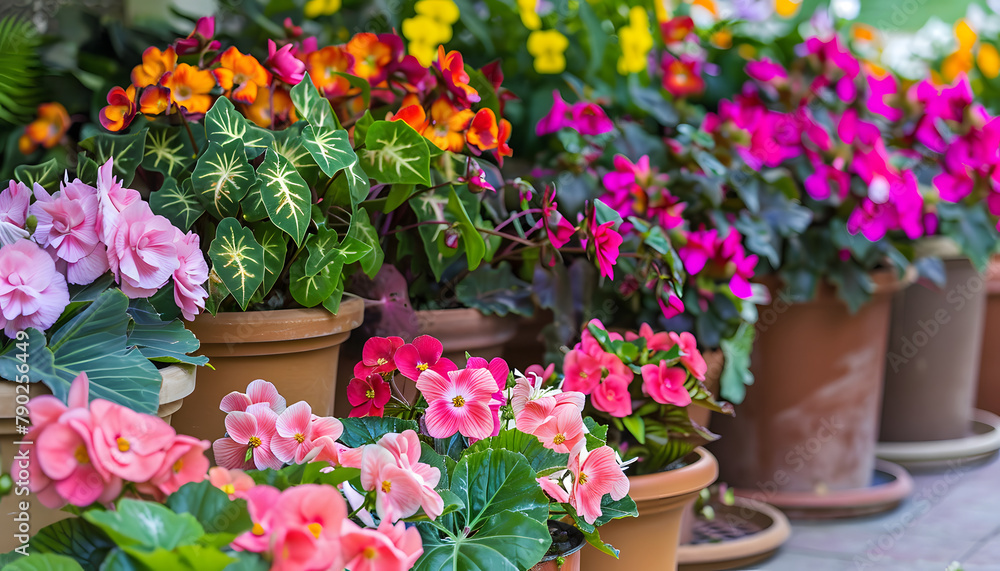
(178, 382)
(649, 542)
(570, 556)
(296, 349)
(527, 346)
(989, 361)
(932, 368)
(715, 361)
(810, 424)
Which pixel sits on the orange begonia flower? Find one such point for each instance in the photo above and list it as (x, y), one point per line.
(503, 149)
(241, 75)
(484, 133)
(120, 110)
(412, 115)
(452, 67)
(447, 125)
(323, 66)
(260, 111)
(154, 65)
(154, 100)
(46, 130)
(371, 57)
(189, 88)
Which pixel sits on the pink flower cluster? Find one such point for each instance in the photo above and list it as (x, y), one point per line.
(306, 528)
(86, 452)
(602, 375)
(705, 251)
(583, 117)
(261, 432)
(637, 189)
(86, 231)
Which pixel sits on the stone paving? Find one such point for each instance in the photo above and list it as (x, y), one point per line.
(953, 515)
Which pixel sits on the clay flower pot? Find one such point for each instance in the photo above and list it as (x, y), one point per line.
(810, 424)
(178, 383)
(296, 349)
(570, 540)
(989, 361)
(932, 368)
(650, 541)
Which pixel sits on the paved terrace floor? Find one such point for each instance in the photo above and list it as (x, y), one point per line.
(953, 515)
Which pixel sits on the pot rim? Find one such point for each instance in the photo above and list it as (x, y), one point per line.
(278, 324)
(886, 282)
(685, 480)
(570, 551)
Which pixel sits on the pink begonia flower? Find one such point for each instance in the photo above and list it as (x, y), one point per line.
(590, 475)
(500, 371)
(233, 482)
(368, 396)
(582, 372)
(251, 430)
(405, 448)
(261, 503)
(672, 307)
(141, 250)
(690, 356)
(665, 384)
(14, 212)
(397, 490)
(129, 444)
(32, 292)
(184, 462)
(378, 356)
(259, 391)
(878, 89)
(200, 38)
(190, 275)
(612, 396)
(283, 64)
(559, 230)
(563, 430)
(113, 199)
(698, 250)
(388, 548)
(458, 403)
(531, 388)
(66, 457)
(606, 241)
(743, 271)
(558, 117)
(765, 70)
(293, 439)
(67, 221)
(654, 341)
(590, 119)
(421, 354)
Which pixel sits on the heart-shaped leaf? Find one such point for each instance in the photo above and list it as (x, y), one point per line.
(394, 152)
(311, 105)
(330, 148)
(126, 150)
(275, 243)
(288, 142)
(168, 151)
(75, 538)
(223, 123)
(312, 290)
(238, 260)
(494, 482)
(363, 231)
(286, 196)
(222, 177)
(47, 174)
(253, 203)
(211, 507)
(177, 202)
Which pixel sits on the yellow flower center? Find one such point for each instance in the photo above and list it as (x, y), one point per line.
(559, 439)
(123, 445)
(299, 437)
(257, 530)
(81, 455)
(178, 465)
(423, 367)
(370, 553)
(229, 489)
(370, 393)
(582, 479)
(458, 401)
(381, 361)
(255, 441)
(386, 486)
(316, 529)
(182, 92)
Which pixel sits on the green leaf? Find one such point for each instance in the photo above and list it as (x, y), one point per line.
(366, 120)
(47, 174)
(146, 524)
(86, 169)
(168, 151)
(488, 95)
(177, 202)
(313, 106)
(736, 373)
(509, 541)
(286, 196)
(495, 291)
(331, 149)
(363, 231)
(43, 562)
(368, 430)
(193, 557)
(238, 260)
(75, 538)
(398, 195)
(211, 507)
(358, 183)
(126, 150)
(275, 244)
(312, 290)
(247, 561)
(538, 456)
(253, 203)
(472, 240)
(222, 177)
(164, 341)
(288, 142)
(223, 123)
(394, 152)
(494, 482)
(636, 426)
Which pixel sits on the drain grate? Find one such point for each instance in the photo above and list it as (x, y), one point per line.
(726, 526)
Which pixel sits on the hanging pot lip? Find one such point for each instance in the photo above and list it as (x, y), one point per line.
(887, 281)
(278, 324)
(696, 475)
(581, 541)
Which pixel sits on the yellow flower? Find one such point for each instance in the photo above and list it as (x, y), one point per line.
(636, 41)
(787, 8)
(529, 14)
(965, 35)
(722, 39)
(988, 60)
(747, 51)
(663, 12)
(957, 63)
(548, 47)
(425, 34)
(444, 11)
(316, 8)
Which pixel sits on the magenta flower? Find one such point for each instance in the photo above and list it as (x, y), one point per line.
(259, 391)
(293, 439)
(13, 212)
(368, 396)
(200, 39)
(378, 356)
(606, 241)
(388, 548)
(878, 89)
(558, 229)
(590, 119)
(672, 307)
(582, 372)
(458, 403)
(422, 354)
(283, 64)
(654, 341)
(248, 444)
(743, 270)
(499, 370)
(558, 117)
(665, 384)
(190, 275)
(563, 430)
(766, 70)
(612, 396)
(141, 250)
(699, 249)
(129, 444)
(32, 292)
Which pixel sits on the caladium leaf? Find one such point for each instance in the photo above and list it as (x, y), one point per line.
(288, 142)
(362, 230)
(223, 123)
(332, 303)
(253, 203)
(325, 250)
(330, 148)
(358, 183)
(86, 169)
(309, 290)
(168, 151)
(311, 105)
(475, 246)
(222, 177)
(275, 244)
(126, 150)
(286, 196)
(238, 259)
(177, 202)
(47, 174)
(395, 153)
